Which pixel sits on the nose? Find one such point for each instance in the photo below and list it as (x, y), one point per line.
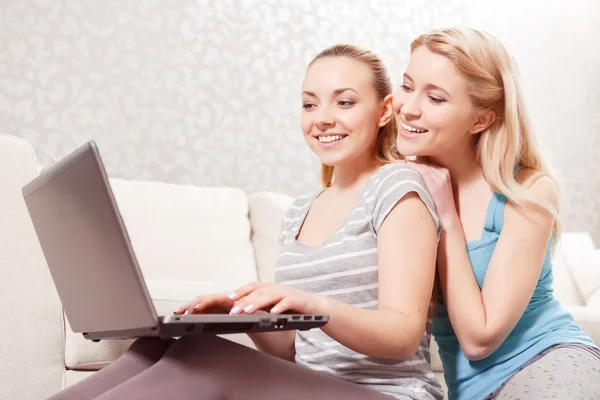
(411, 109)
(324, 118)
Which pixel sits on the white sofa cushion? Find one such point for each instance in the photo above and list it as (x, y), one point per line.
(593, 300)
(188, 241)
(563, 285)
(31, 333)
(266, 214)
(73, 377)
(580, 253)
(188, 233)
(588, 319)
(85, 355)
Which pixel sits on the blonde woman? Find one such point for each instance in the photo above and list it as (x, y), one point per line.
(500, 331)
(361, 250)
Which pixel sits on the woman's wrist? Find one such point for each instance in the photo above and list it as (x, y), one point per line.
(450, 222)
(323, 305)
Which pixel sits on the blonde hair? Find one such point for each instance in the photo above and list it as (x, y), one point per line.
(494, 84)
(386, 151)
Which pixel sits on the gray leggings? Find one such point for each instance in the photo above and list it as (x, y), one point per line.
(209, 367)
(561, 372)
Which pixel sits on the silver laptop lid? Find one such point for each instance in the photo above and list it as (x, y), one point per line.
(86, 246)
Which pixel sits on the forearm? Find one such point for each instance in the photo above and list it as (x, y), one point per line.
(463, 297)
(375, 333)
(277, 344)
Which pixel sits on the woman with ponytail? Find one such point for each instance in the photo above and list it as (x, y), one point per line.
(500, 331)
(361, 250)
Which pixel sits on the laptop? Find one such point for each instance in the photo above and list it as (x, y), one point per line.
(94, 268)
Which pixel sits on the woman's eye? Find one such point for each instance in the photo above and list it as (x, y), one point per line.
(307, 106)
(436, 100)
(406, 88)
(347, 103)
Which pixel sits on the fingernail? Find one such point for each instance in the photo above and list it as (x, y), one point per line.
(248, 308)
(196, 306)
(232, 295)
(235, 310)
(275, 310)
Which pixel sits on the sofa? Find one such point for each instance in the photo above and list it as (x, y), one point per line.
(188, 241)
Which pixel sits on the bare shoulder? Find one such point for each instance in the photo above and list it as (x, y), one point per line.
(539, 185)
(408, 211)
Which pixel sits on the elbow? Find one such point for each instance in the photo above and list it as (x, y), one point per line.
(400, 351)
(410, 349)
(407, 347)
(398, 348)
(476, 352)
(481, 346)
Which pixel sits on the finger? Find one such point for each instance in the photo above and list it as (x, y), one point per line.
(435, 170)
(256, 301)
(441, 175)
(246, 290)
(186, 307)
(422, 163)
(432, 175)
(288, 304)
(425, 173)
(193, 304)
(217, 300)
(414, 164)
(200, 302)
(421, 168)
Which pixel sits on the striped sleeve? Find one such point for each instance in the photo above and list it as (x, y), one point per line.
(395, 181)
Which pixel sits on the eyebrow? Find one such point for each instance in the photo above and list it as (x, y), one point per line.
(335, 92)
(429, 85)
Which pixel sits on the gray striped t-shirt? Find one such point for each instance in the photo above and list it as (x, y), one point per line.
(344, 267)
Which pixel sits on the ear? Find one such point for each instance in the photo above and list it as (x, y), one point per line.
(387, 110)
(483, 121)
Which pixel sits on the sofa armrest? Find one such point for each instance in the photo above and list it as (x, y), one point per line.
(583, 262)
(267, 210)
(588, 318)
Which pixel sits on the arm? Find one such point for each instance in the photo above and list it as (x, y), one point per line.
(407, 242)
(277, 344)
(483, 319)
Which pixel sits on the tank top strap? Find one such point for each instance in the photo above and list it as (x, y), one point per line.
(495, 214)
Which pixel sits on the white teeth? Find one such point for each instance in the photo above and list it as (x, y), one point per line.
(328, 139)
(411, 129)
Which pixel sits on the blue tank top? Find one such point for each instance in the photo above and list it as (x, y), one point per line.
(543, 324)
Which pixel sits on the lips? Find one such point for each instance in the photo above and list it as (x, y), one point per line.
(413, 129)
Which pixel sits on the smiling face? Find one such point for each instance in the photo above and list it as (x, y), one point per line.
(433, 108)
(341, 112)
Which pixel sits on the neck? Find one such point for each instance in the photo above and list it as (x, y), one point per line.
(462, 163)
(354, 172)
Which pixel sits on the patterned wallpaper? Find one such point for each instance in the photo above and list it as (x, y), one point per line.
(207, 92)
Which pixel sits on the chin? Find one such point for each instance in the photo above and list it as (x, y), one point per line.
(330, 161)
(330, 158)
